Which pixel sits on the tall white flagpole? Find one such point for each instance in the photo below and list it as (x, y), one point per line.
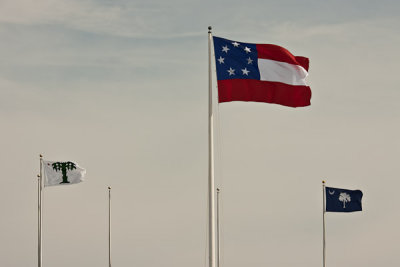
(109, 226)
(218, 231)
(323, 225)
(211, 192)
(40, 178)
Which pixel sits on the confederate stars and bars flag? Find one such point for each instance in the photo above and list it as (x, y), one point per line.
(261, 73)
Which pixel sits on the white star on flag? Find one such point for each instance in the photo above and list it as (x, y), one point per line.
(235, 44)
(248, 50)
(245, 71)
(249, 61)
(225, 49)
(231, 71)
(221, 60)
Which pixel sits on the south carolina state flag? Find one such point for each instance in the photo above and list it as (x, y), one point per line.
(342, 200)
(261, 73)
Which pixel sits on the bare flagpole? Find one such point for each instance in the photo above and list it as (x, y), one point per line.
(218, 233)
(40, 178)
(323, 225)
(109, 226)
(211, 192)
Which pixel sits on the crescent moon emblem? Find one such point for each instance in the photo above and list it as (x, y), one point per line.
(331, 193)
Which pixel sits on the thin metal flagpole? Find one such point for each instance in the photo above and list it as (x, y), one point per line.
(323, 225)
(218, 231)
(40, 176)
(109, 226)
(211, 192)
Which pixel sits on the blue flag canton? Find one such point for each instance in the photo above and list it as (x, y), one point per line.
(235, 60)
(343, 200)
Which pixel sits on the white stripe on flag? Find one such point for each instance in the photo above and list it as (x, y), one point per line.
(276, 71)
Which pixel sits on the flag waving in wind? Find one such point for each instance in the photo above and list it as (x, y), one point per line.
(62, 173)
(260, 73)
(343, 200)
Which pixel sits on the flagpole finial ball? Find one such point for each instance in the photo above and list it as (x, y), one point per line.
(40, 155)
(323, 182)
(209, 28)
(109, 188)
(38, 176)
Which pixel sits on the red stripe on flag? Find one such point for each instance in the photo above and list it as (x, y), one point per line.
(278, 53)
(264, 91)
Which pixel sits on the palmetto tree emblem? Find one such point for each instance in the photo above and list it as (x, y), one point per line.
(64, 167)
(344, 197)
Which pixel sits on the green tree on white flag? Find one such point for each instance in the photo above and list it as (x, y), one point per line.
(62, 173)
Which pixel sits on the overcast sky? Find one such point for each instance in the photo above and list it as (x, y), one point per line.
(121, 88)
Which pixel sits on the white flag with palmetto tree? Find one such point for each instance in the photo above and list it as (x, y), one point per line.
(62, 173)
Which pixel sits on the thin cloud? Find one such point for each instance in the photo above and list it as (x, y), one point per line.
(127, 20)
